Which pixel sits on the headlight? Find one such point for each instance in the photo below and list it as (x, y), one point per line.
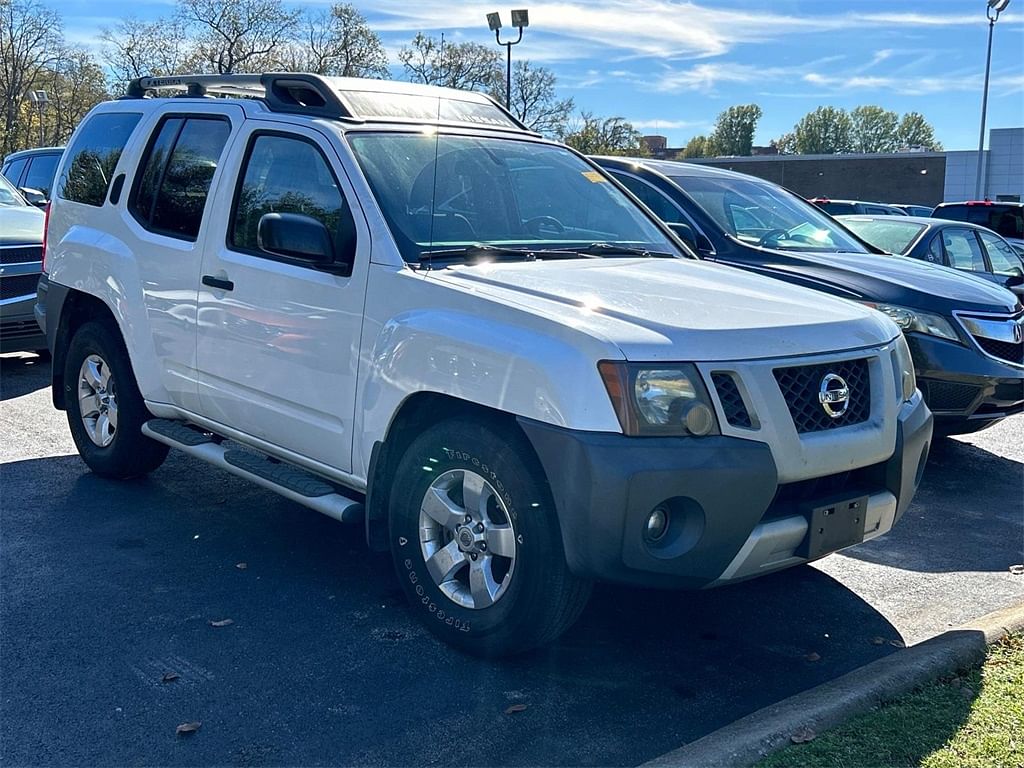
(916, 320)
(663, 400)
(903, 369)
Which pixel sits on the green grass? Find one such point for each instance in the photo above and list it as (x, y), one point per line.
(973, 720)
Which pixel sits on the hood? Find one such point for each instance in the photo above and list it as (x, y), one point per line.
(21, 225)
(676, 309)
(887, 279)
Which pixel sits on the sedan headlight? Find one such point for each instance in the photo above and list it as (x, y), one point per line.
(652, 399)
(915, 320)
(903, 369)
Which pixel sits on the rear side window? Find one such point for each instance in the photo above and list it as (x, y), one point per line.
(175, 175)
(40, 173)
(14, 169)
(286, 175)
(1003, 258)
(93, 156)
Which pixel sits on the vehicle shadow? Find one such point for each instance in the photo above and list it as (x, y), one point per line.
(109, 586)
(23, 373)
(968, 515)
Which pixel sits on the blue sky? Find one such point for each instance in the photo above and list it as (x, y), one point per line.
(670, 66)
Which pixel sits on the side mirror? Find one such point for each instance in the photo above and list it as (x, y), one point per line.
(295, 236)
(685, 233)
(34, 197)
(1015, 279)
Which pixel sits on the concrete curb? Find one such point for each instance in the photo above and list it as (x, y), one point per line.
(768, 730)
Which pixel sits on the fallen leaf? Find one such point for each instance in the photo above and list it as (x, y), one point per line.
(897, 644)
(188, 727)
(515, 708)
(1017, 570)
(241, 566)
(812, 656)
(803, 736)
(169, 677)
(222, 623)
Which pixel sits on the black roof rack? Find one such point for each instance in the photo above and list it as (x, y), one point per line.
(354, 99)
(282, 92)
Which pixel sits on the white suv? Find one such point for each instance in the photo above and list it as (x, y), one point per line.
(393, 304)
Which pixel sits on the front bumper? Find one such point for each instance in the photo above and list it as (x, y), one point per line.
(730, 517)
(964, 388)
(19, 331)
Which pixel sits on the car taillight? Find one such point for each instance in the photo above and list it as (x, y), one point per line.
(46, 226)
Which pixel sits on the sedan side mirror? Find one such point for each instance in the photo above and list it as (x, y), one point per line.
(685, 233)
(34, 197)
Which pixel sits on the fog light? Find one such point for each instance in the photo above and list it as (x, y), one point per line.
(657, 525)
(699, 419)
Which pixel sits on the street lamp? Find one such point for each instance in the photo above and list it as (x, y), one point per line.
(995, 7)
(41, 101)
(520, 18)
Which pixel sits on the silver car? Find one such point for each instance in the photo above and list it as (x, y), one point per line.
(21, 253)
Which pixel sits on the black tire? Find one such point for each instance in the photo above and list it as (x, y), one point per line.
(129, 452)
(541, 598)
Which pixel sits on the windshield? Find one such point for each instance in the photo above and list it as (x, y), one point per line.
(765, 215)
(890, 235)
(440, 192)
(8, 195)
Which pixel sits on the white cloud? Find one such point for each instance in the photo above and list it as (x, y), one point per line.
(670, 125)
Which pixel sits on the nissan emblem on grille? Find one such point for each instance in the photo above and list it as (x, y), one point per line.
(834, 395)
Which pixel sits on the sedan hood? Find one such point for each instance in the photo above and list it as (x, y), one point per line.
(887, 279)
(21, 225)
(675, 309)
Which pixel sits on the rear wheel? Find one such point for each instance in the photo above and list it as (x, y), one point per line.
(476, 543)
(105, 409)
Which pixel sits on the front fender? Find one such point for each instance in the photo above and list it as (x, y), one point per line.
(516, 366)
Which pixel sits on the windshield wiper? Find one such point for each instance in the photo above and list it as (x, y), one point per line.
(474, 254)
(614, 249)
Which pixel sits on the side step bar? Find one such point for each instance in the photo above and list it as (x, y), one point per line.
(288, 481)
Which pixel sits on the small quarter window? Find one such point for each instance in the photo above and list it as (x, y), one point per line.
(93, 156)
(287, 175)
(14, 169)
(176, 173)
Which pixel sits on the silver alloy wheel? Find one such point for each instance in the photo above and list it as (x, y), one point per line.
(97, 401)
(467, 539)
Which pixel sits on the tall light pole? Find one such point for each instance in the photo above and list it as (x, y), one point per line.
(520, 19)
(41, 101)
(995, 7)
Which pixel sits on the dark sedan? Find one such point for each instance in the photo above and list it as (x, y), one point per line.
(21, 251)
(957, 244)
(965, 333)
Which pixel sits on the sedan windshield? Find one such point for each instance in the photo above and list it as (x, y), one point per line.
(448, 195)
(9, 196)
(762, 214)
(890, 234)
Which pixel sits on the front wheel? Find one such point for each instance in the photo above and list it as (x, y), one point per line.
(476, 542)
(105, 409)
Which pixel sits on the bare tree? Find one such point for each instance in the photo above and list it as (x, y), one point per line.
(30, 39)
(74, 85)
(534, 101)
(335, 41)
(237, 35)
(470, 66)
(603, 136)
(134, 48)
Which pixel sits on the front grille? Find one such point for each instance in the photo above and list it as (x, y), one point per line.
(732, 402)
(21, 254)
(801, 385)
(1004, 350)
(18, 285)
(18, 329)
(949, 395)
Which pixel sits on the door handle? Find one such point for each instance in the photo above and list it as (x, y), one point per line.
(218, 282)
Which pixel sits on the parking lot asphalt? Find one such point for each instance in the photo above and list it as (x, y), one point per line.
(106, 588)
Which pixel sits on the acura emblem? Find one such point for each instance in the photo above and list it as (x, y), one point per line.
(834, 395)
(1018, 331)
